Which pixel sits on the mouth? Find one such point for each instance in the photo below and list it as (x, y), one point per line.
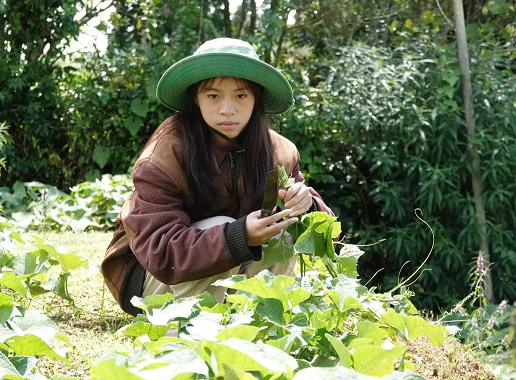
(227, 124)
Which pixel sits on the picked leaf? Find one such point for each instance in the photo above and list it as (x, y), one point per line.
(277, 251)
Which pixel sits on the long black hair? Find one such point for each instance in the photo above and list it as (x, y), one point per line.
(253, 164)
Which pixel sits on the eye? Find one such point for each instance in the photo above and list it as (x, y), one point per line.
(241, 96)
(212, 96)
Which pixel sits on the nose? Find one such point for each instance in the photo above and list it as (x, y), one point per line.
(227, 107)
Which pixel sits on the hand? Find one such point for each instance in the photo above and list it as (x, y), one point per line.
(297, 198)
(260, 231)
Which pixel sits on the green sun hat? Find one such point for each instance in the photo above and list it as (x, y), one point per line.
(224, 57)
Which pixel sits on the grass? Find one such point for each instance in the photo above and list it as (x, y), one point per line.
(92, 323)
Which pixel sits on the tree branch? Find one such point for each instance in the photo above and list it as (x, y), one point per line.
(444, 15)
(380, 17)
(93, 12)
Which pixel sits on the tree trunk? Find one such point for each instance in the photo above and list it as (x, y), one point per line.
(241, 18)
(280, 46)
(227, 19)
(252, 23)
(201, 18)
(473, 150)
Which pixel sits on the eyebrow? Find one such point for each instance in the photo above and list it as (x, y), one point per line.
(207, 89)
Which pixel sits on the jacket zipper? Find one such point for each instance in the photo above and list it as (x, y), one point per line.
(234, 181)
(231, 164)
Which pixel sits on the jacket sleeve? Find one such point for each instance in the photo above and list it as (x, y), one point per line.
(319, 204)
(165, 243)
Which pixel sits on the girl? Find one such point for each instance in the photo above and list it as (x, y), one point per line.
(194, 216)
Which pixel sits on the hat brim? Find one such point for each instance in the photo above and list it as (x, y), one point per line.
(173, 85)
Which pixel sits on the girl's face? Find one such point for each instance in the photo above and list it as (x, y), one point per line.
(226, 105)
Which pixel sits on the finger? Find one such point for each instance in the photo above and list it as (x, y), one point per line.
(275, 228)
(292, 191)
(301, 207)
(276, 217)
(298, 199)
(255, 214)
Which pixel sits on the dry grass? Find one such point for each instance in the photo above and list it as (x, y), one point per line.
(93, 322)
(451, 361)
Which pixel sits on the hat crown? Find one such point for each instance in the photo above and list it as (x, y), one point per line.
(227, 46)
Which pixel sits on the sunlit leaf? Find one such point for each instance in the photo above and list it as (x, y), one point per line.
(344, 355)
(244, 332)
(6, 307)
(30, 345)
(11, 281)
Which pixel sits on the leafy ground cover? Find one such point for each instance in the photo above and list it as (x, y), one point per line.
(90, 205)
(92, 322)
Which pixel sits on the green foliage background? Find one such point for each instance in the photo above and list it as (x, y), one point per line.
(378, 115)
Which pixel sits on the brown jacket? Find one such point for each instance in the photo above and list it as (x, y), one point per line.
(154, 226)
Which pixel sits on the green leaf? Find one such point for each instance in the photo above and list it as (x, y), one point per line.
(447, 90)
(16, 236)
(177, 364)
(23, 219)
(154, 301)
(133, 124)
(367, 329)
(450, 77)
(344, 355)
(347, 260)
(140, 107)
(351, 303)
(24, 364)
(6, 307)
(233, 374)
(154, 332)
(16, 198)
(247, 356)
(297, 295)
(376, 361)
(285, 343)
(342, 287)
(179, 310)
(101, 155)
(271, 309)
(264, 285)
(111, 370)
(317, 238)
(35, 322)
(414, 327)
(32, 345)
(244, 332)
(11, 281)
(62, 286)
(92, 175)
(67, 261)
(6, 367)
(277, 251)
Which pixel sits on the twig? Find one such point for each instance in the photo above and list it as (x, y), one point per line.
(93, 12)
(444, 15)
(379, 17)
